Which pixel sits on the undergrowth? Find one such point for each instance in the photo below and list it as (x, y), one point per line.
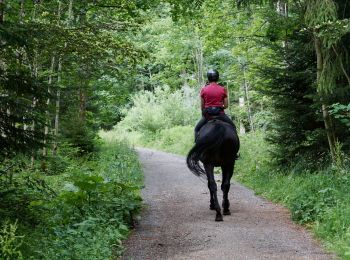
(78, 208)
(177, 139)
(161, 119)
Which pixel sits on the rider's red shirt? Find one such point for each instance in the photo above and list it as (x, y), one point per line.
(213, 95)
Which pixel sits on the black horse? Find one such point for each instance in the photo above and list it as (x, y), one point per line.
(217, 145)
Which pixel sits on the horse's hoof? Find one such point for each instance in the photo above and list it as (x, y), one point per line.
(219, 218)
(226, 212)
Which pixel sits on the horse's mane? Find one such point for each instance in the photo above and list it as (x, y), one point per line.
(210, 141)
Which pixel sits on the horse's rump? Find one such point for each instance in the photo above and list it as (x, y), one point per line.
(217, 144)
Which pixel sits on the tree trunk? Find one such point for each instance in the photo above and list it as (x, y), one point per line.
(2, 11)
(198, 60)
(46, 130)
(34, 11)
(200, 63)
(70, 11)
(249, 110)
(241, 125)
(82, 104)
(325, 113)
(21, 12)
(57, 112)
(33, 130)
(35, 73)
(282, 7)
(58, 91)
(59, 13)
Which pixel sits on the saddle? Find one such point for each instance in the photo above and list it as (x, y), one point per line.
(213, 111)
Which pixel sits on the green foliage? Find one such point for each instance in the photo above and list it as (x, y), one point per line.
(10, 242)
(308, 205)
(320, 11)
(112, 93)
(295, 129)
(76, 65)
(91, 239)
(83, 211)
(331, 32)
(177, 139)
(79, 135)
(161, 109)
(330, 26)
(346, 246)
(341, 112)
(54, 55)
(20, 119)
(171, 52)
(163, 119)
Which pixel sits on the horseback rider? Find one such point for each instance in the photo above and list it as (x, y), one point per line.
(213, 101)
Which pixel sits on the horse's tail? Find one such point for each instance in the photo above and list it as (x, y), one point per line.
(211, 141)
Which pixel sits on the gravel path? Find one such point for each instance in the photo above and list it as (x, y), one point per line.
(177, 224)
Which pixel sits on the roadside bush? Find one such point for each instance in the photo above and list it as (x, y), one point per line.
(93, 238)
(178, 139)
(345, 247)
(161, 109)
(82, 212)
(311, 202)
(163, 119)
(10, 242)
(80, 135)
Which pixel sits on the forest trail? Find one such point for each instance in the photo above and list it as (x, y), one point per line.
(177, 224)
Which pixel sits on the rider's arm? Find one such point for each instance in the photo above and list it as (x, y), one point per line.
(225, 102)
(202, 103)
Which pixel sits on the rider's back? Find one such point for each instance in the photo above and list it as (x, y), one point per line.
(213, 95)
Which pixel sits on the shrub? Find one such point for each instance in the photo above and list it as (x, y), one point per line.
(10, 242)
(81, 212)
(345, 247)
(161, 109)
(178, 139)
(80, 135)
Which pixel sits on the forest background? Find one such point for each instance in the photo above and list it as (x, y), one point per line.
(70, 69)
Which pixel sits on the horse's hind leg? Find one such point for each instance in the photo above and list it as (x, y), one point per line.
(209, 169)
(227, 172)
(212, 201)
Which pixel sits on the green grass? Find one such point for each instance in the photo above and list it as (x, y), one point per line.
(82, 210)
(178, 139)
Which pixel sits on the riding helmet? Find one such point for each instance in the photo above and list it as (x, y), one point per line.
(213, 75)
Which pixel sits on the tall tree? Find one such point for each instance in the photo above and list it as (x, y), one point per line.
(328, 43)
